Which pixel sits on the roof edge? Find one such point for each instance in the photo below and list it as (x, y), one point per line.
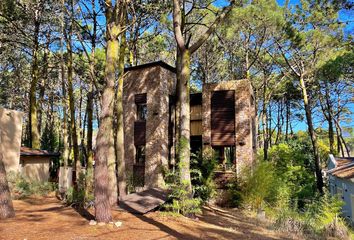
(152, 64)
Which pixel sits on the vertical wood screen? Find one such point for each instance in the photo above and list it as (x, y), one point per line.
(223, 118)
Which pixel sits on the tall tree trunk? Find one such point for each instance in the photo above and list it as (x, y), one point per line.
(73, 124)
(6, 207)
(34, 133)
(90, 100)
(265, 120)
(89, 170)
(65, 153)
(287, 119)
(44, 83)
(183, 80)
(265, 130)
(122, 185)
(184, 120)
(312, 134)
(106, 191)
(329, 118)
(108, 102)
(270, 132)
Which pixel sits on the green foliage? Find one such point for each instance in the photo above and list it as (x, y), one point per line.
(134, 181)
(22, 187)
(260, 185)
(294, 166)
(180, 199)
(318, 219)
(78, 196)
(202, 170)
(182, 203)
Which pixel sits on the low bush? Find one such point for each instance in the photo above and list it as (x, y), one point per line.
(320, 219)
(202, 173)
(22, 187)
(203, 187)
(181, 202)
(79, 196)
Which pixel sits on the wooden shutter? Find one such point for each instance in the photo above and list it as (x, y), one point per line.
(223, 118)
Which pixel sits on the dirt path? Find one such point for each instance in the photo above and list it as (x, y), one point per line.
(47, 218)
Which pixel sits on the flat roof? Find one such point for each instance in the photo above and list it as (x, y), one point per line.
(26, 151)
(152, 64)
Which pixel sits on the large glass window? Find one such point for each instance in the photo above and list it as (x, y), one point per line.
(142, 111)
(140, 154)
(225, 156)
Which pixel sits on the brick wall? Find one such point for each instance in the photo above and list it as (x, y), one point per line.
(158, 83)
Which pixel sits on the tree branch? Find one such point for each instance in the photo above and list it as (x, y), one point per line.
(211, 29)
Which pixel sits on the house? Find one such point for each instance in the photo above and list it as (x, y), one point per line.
(341, 182)
(35, 164)
(222, 118)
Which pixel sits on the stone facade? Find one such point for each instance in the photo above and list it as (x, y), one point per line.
(244, 119)
(158, 81)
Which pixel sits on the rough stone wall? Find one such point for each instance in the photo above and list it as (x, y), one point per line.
(244, 115)
(158, 83)
(10, 138)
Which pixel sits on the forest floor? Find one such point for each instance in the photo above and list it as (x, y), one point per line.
(47, 218)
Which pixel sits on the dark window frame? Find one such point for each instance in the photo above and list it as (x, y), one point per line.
(140, 154)
(141, 111)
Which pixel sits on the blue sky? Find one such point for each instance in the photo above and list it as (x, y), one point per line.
(344, 16)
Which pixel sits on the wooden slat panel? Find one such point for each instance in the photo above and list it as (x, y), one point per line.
(196, 112)
(223, 118)
(196, 128)
(223, 127)
(139, 133)
(223, 139)
(140, 98)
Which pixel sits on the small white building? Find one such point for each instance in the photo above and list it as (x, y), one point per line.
(341, 183)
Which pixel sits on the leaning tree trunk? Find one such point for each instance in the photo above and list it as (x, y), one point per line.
(6, 207)
(312, 134)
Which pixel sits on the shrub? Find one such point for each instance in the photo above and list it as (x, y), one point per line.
(79, 197)
(319, 219)
(181, 202)
(22, 187)
(202, 172)
(259, 186)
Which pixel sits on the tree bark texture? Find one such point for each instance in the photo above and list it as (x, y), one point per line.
(73, 125)
(122, 185)
(34, 133)
(312, 134)
(6, 207)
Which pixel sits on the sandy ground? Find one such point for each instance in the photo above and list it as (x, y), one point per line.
(47, 218)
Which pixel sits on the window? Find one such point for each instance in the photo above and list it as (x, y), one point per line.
(141, 111)
(225, 156)
(140, 154)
